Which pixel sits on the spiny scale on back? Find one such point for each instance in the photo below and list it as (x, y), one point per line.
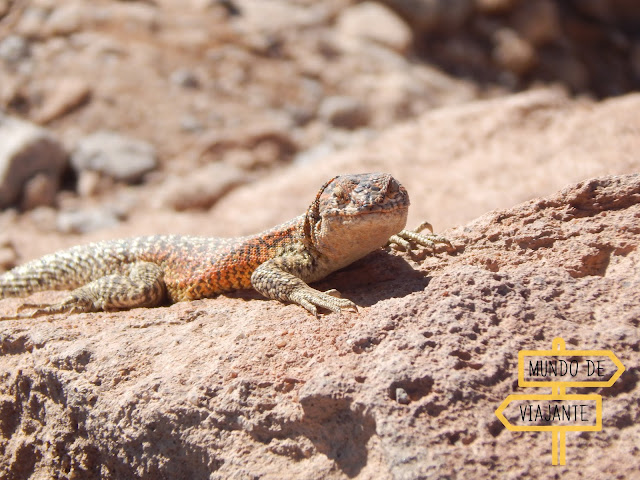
(351, 216)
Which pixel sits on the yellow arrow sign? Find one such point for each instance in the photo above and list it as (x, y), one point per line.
(569, 413)
(563, 412)
(536, 366)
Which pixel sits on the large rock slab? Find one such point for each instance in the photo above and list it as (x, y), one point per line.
(239, 387)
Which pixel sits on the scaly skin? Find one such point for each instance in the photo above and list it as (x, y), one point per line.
(351, 216)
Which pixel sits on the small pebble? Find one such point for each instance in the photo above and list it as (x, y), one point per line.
(184, 78)
(14, 48)
(402, 396)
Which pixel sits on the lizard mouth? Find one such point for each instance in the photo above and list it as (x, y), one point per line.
(369, 210)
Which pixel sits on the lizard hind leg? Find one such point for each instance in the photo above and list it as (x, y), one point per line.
(142, 287)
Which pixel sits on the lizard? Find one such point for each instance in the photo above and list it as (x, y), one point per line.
(350, 217)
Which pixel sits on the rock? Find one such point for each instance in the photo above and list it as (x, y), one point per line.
(570, 71)
(495, 6)
(338, 140)
(431, 16)
(612, 12)
(38, 190)
(257, 16)
(244, 387)
(89, 219)
(114, 155)
(201, 188)
(371, 21)
(512, 52)
(190, 123)
(64, 95)
(14, 49)
(472, 38)
(635, 59)
(538, 22)
(237, 387)
(31, 22)
(393, 95)
(8, 259)
(91, 183)
(44, 218)
(8, 254)
(476, 153)
(65, 19)
(184, 78)
(344, 112)
(26, 152)
(402, 396)
(260, 143)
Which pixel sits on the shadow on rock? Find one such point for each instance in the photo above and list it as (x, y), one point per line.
(378, 276)
(334, 426)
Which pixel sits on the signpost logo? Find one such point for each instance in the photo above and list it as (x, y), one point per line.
(559, 412)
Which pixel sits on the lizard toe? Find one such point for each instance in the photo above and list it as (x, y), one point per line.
(310, 298)
(310, 307)
(408, 239)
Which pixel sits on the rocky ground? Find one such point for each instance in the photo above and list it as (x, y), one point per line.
(223, 118)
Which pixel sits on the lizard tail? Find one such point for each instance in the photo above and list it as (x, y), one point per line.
(66, 269)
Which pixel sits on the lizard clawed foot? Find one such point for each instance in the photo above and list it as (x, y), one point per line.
(18, 316)
(310, 299)
(406, 239)
(69, 305)
(22, 316)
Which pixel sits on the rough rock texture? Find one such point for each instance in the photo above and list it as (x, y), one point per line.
(406, 388)
(250, 106)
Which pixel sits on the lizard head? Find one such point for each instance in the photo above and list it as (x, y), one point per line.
(353, 215)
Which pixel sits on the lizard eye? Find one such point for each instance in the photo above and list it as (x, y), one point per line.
(340, 195)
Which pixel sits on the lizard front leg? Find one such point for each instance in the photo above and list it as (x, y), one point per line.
(273, 279)
(142, 287)
(405, 239)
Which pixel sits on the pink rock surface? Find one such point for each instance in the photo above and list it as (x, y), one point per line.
(241, 387)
